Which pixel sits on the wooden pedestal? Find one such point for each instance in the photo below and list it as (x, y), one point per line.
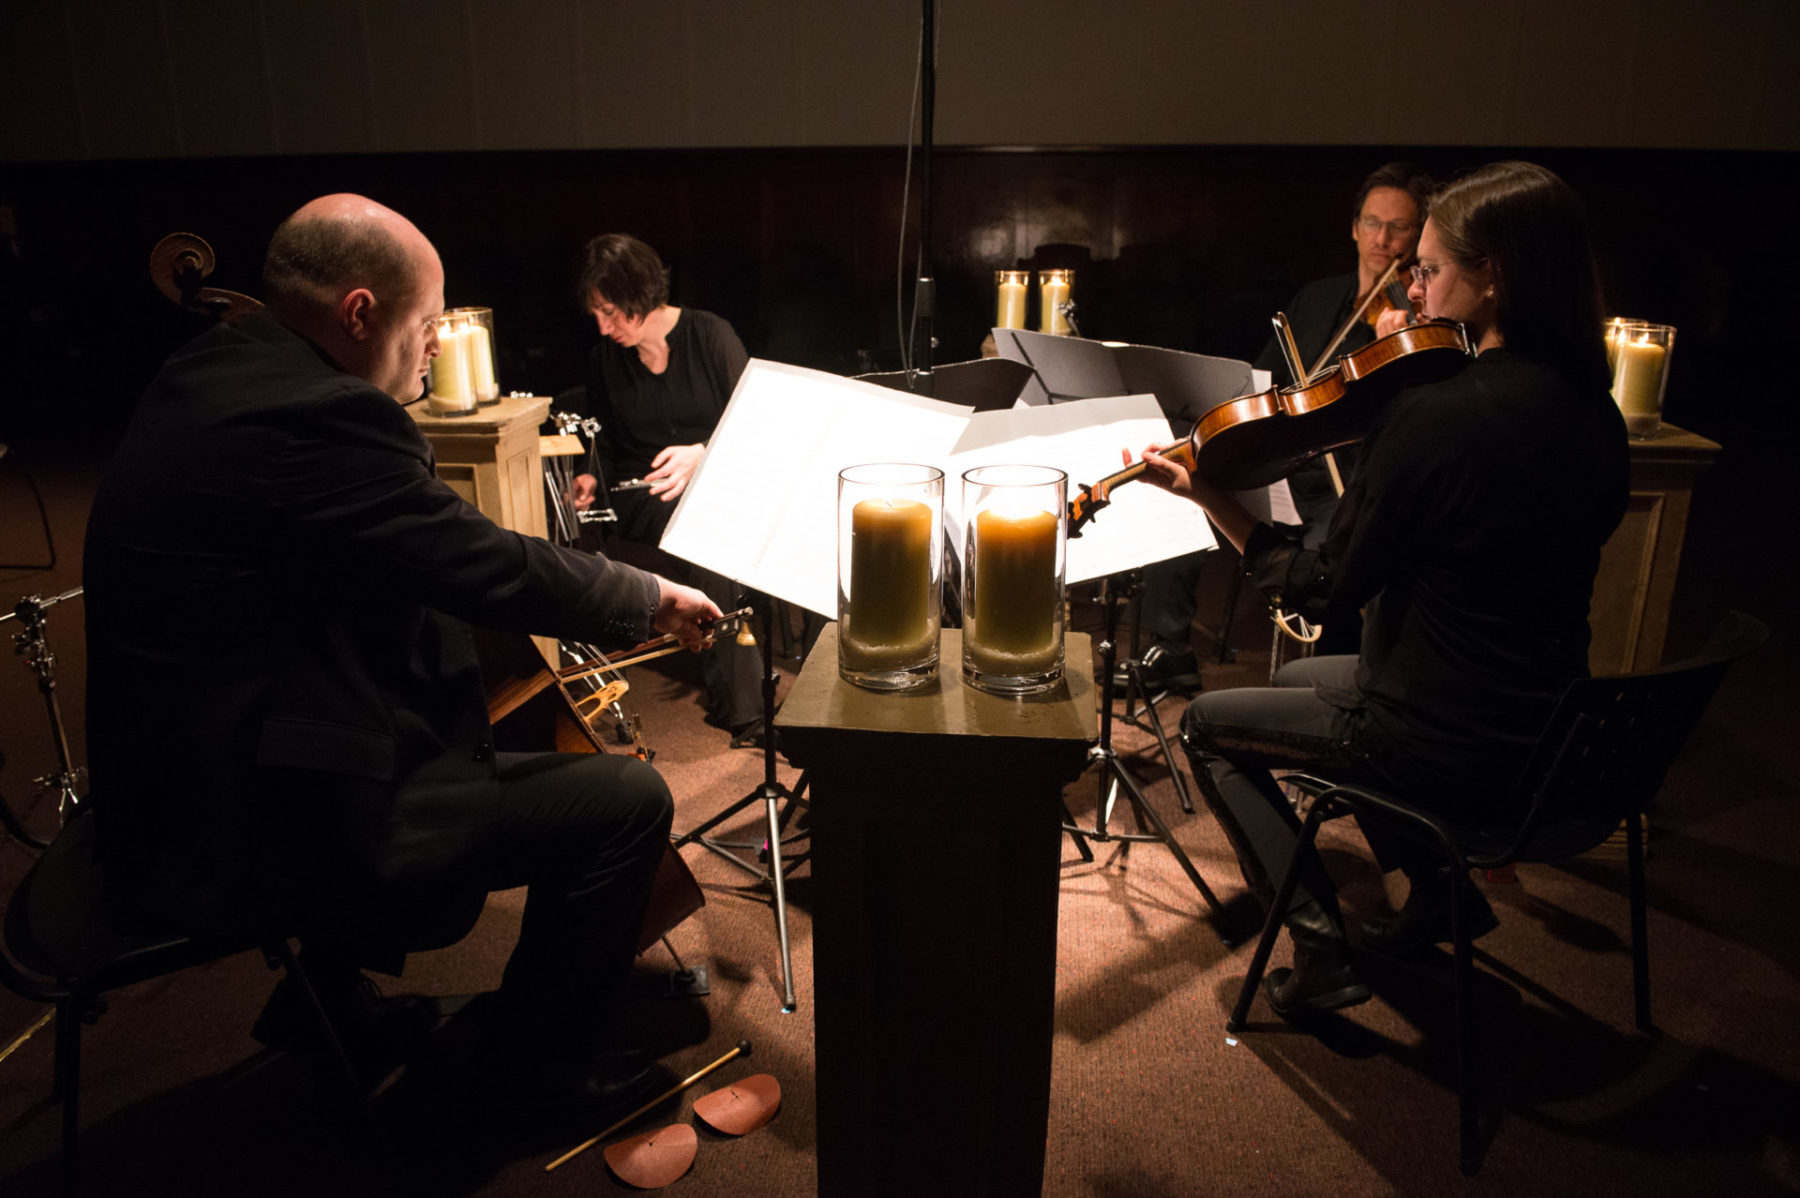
(1629, 615)
(490, 458)
(936, 830)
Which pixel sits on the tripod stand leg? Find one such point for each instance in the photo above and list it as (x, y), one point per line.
(1136, 669)
(788, 1002)
(1145, 811)
(1074, 834)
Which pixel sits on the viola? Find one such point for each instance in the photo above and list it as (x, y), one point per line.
(1253, 440)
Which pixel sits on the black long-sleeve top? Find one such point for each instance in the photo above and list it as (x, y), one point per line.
(1471, 536)
(641, 413)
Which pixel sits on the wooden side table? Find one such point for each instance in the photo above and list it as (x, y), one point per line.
(936, 830)
(1629, 615)
(490, 458)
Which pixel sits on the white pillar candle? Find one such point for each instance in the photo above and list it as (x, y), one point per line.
(452, 389)
(1052, 295)
(889, 623)
(1638, 384)
(480, 348)
(1016, 594)
(1011, 314)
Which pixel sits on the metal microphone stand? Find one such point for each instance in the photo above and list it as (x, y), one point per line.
(778, 807)
(32, 643)
(1114, 777)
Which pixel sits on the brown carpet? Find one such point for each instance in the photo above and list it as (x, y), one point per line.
(1150, 1095)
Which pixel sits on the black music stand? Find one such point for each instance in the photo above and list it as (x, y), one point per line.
(778, 808)
(1114, 777)
(1140, 704)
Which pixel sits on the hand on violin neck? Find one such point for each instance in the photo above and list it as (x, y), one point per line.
(1392, 321)
(1221, 507)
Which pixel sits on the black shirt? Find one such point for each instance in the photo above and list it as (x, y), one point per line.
(641, 413)
(1471, 535)
(1317, 311)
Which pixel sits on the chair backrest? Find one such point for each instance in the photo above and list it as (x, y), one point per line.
(1610, 743)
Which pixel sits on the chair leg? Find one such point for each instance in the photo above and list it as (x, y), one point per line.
(67, 1086)
(1265, 944)
(1467, 1091)
(1640, 933)
(281, 951)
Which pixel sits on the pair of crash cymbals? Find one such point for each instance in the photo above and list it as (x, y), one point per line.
(657, 1158)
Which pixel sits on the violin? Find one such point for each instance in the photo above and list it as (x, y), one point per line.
(1253, 440)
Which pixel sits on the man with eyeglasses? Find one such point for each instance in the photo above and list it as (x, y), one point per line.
(1389, 212)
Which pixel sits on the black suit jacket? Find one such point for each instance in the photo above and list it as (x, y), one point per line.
(285, 711)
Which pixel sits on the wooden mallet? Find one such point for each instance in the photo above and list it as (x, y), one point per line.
(742, 1050)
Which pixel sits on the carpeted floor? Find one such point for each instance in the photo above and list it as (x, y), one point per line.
(1150, 1095)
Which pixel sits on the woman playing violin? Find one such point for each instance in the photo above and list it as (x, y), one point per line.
(1470, 537)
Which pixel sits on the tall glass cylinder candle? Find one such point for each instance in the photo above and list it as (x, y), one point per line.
(1010, 313)
(1614, 328)
(452, 391)
(1015, 525)
(890, 570)
(1054, 289)
(1641, 375)
(477, 346)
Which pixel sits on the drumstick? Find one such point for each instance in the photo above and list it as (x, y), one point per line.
(742, 1050)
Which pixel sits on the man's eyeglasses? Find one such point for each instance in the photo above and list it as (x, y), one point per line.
(1422, 274)
(1400, 228)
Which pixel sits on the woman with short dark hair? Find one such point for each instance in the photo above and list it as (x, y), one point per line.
(1470, 537)
(658, 381)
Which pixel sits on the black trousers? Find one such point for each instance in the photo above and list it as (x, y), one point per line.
(584, 832)
(1235, 737)
(1171, 594)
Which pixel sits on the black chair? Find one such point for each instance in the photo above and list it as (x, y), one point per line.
(68, 943)
(1598, 763)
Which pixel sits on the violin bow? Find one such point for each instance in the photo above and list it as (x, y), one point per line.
(1387, 276)
(662, 646)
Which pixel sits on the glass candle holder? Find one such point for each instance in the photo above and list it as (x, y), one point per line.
(478, 351)
(1012, 285)
(1015, 535)
(1054, 290)
(452, 384)
(890, 571)
(1614, 327)
(1641, 374)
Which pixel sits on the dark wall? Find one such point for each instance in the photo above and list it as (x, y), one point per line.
(1191, 247)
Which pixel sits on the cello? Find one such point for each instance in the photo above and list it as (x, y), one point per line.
(1254, 440)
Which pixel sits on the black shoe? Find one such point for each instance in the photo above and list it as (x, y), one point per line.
(1163, 670)
(1322, 979)
(748, 736)
(599, 1090)
(1424, 919)
(377, 1033)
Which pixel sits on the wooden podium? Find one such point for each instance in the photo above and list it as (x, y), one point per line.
(1629, 615)
(936, 831)
(490, 458)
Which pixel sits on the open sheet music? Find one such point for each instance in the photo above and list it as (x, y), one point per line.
(762, 507)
